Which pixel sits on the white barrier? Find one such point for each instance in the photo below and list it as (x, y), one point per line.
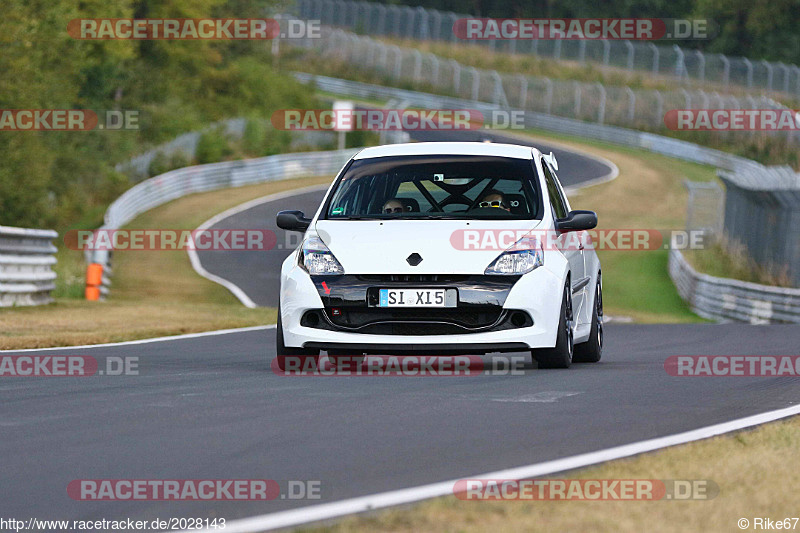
(732, 300)
(26, 261)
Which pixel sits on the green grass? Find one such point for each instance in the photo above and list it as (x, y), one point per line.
(686, 169)
(70, 270)
(636, 284)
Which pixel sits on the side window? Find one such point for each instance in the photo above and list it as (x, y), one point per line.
(561, 192)
(559, 207)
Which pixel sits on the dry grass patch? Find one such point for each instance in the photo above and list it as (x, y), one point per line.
(74, 322)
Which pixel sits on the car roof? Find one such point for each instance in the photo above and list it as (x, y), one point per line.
(449, 148)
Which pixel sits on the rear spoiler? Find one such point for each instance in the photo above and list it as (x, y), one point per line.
(551, 159)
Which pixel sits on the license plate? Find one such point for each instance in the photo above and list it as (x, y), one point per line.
(417, 298)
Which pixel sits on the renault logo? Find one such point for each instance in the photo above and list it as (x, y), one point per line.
(414, 259)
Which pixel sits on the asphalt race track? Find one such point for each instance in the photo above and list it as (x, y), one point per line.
(210, 408)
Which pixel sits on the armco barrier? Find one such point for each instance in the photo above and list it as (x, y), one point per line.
(178, 183)
(186, 145)
(732, 300)
(26, 260)
(636, 139)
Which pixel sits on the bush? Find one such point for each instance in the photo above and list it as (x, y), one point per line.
(359, 138)
(254, 137)
(277, 142)
(158, 165)
(162, 163)
(213, 146)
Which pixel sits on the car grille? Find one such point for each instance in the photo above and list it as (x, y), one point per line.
(414, 328)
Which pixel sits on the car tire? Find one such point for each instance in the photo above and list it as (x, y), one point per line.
(592, 350)
(282, 353)
(560, 356)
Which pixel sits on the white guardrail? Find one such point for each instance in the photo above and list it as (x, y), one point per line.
(732, 300)
(26, 260)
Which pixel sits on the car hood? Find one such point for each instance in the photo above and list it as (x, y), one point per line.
(382, 246)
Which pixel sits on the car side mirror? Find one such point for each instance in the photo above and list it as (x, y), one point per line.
(577, 221)
(293, 221)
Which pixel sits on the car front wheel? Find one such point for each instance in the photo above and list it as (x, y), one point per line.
(283, 354)
(592, 350)
(560, 356)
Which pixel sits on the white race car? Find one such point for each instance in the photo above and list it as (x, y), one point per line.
(443, 248)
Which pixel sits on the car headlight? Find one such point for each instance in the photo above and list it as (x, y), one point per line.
(526, 255)
(316, 259)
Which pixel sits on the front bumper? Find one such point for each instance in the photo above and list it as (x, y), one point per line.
(350, 304)
(480, 324)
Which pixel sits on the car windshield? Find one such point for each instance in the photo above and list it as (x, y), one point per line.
(436, 186)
